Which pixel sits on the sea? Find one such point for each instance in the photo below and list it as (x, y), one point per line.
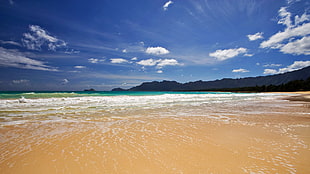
(19, 107)
(153, 132)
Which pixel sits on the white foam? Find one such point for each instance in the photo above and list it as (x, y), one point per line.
(117, 105)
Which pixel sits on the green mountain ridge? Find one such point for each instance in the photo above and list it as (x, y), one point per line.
(226, 83)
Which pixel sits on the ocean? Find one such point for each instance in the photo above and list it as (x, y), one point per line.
(16, 107)
(57, 94)
(153, 132)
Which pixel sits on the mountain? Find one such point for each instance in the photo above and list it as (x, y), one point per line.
(277, 79)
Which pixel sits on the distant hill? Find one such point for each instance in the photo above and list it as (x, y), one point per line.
(225, 83)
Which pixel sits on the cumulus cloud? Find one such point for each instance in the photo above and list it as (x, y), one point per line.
(301, 46)
(118, 60)
(255, 36)
(270, 71)
(295, 37)
(157, 50)
(295, 66)
(227, 53)
(241, 70)
(285, 17)
(276, 40)
(167, 4)
(38, 38)
(93, 60)
(167, 62)
(16, 59)
(159, 63)
(148, 62)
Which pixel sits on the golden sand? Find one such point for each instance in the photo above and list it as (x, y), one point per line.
(276, 142)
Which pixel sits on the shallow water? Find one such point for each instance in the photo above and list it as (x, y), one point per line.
(167, 133)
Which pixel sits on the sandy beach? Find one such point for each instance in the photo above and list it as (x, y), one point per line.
(261, 135)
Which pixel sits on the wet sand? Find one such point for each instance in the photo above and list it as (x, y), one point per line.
(261, 139)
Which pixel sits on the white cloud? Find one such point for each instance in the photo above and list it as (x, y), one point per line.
(160, 63)
(285, 17)
(295, 37)
(167, 4)
(134, 58)
(38, 37)
(241, 70)
(16, 59)
(255, 36)
(10, 42)
(295, 66)
(124, 51)
(272, 65)
(248, 55)
(157, 50)
(228, 53)
(167, 62)
(270, 71)
(79, 67)
(304, 17)
(118, 60)
(71, 51)
(64, 81)
(301, 46)
(20, 81)
(276, 40)
(292, 1)
(93, 60)
(148, 62)
(159, 71)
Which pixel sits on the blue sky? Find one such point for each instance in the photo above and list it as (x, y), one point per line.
(102, 44)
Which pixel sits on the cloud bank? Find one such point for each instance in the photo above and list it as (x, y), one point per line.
(295, 38)
(295, 66)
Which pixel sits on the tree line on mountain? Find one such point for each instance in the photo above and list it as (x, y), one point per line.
(292, 86)
(290, 81)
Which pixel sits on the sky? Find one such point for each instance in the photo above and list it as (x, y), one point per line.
(103, 44)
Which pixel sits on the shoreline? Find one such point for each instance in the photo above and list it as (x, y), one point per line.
(303, 96)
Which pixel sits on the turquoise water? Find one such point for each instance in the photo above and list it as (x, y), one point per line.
(59, 94)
